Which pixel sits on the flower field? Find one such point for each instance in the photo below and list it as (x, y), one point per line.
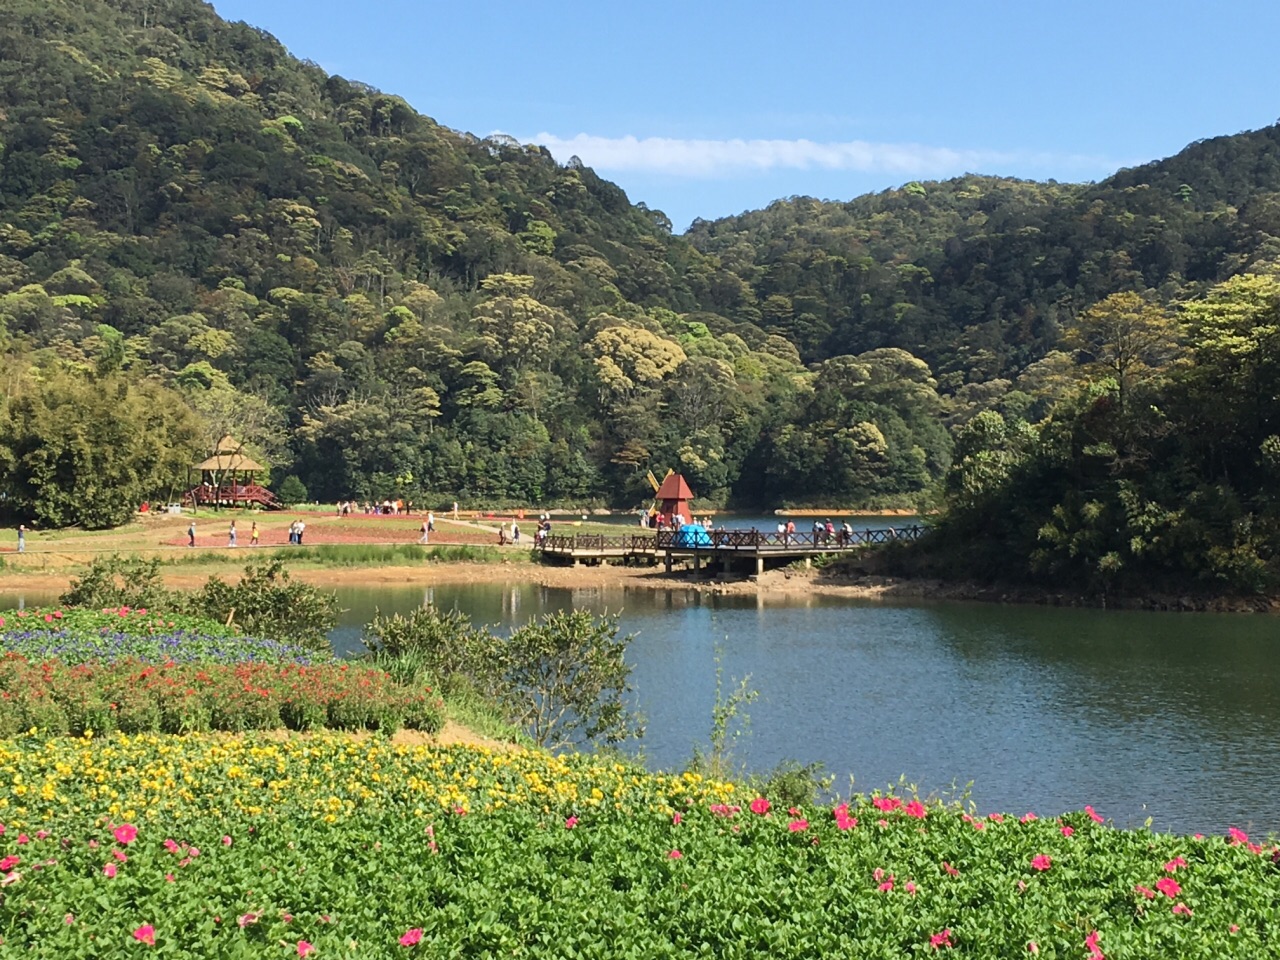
(215, 846)
(137, 697)
(83, 636)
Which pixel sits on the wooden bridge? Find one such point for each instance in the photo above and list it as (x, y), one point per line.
(754, 548)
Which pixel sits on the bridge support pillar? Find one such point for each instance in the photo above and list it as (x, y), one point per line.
(697, 562)
(808, 563)
(759, 565)
(667, 562)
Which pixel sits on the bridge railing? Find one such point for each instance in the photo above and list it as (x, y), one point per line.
(729, 540)
(761, 539)
(595, 541)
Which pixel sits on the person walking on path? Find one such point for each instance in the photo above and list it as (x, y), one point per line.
(231, 535)
(191, 534)
(431, 522)
(22, 538)
(515, 532)
(302, 528)
(426, 532)
(253, 534)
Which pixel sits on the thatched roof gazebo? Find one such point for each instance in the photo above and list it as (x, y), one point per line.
(229, 478)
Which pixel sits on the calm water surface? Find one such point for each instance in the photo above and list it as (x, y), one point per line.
(1170, 716)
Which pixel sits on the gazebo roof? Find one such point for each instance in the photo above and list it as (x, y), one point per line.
(674, 488)
(231, 461)
(228, 444)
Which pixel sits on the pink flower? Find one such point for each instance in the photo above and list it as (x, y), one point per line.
(942, 939)
(795, 826)
(9, 862)
(171, 845)
(69, 919)
(877, 874)
(194, 852)
(1033, 947)
(411, 937)
(246, 919)
(1182, 908)
(1168, 886)
(169, 878)
(570, 823)
(915, 809)
(23, 839)
(1174, 864)
(120, 855)
(760, 806)
(996, 817)
(1068, 831)
(1237, 836)
(886, 804)
(146, 934)
(1041, 861)
(1145, 891)
(41, 834)
(109, 870)
(1027, 818)
(846, 823)
(910, 887)
(676, 818)
(950, 869)
(1095, 952)
(226, 841)
(1234, 928)
(1093, 814)
(304, 948)
(675, 855)
(887, 886)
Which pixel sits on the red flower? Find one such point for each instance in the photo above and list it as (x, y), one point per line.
(1041, 861)
(1068, 831)
(304, 948)
(411, 937)
(1093, 814)
(915, 809)
(886, 804)
(9, 862)
(942, 939)
(760, 805)
(570, 823)
(675, 855)
(1169, 886)
(146, 934)
(1095, 952)
(795, 826)
(125, 833)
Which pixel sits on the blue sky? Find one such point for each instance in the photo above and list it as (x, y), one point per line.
(704, 109)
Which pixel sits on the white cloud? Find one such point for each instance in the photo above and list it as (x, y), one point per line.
(706, 158)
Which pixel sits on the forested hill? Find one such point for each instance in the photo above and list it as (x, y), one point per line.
(202, 233)
(978, 276)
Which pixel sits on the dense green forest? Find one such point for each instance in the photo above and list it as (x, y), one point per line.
(201, 234)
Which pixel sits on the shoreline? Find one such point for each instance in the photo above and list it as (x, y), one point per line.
(784, 582)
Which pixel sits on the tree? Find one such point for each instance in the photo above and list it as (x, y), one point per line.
(1125, 337)
(81, 451)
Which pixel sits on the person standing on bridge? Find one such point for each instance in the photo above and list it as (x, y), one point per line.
(782, 533)
(846, 534)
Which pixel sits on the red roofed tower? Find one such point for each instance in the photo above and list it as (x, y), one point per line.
(675, 496)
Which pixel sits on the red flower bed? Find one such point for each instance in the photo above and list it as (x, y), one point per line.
(137, 697)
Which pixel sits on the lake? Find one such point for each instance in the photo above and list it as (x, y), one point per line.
(1175, 717)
